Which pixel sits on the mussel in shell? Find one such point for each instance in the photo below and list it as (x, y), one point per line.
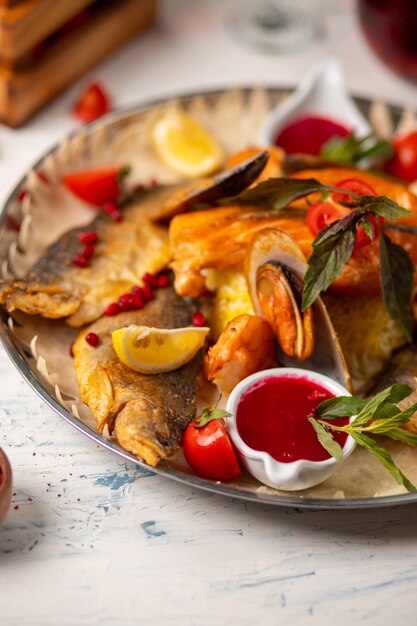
(207, 191)
(275, 268)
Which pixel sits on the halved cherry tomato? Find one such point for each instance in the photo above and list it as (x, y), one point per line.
(209, 451)
(322, 214)
(360, 188)
(97, 186)
(93, 103)
(404, 162)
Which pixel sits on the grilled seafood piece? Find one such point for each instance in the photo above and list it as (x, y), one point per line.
(148, 412)
(275, 267)
(218, 238)
(56, 287)
(208, 190)
(245, 346)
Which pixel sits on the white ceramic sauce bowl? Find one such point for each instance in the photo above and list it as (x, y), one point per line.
(322, 92)
(294, 475)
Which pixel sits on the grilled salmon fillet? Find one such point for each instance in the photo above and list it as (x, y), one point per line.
(147, 412)
(218, 237)
(56, 287)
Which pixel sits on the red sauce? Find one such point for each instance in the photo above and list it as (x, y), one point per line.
(272, 416)
(308, 135)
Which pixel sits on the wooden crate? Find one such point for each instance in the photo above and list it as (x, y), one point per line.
(45, 45)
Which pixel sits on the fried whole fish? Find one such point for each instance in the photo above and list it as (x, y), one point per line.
(148, 412)
(57, 288)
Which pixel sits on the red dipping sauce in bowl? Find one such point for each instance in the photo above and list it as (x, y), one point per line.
(272, 416)
(308, 134)
(269, 427)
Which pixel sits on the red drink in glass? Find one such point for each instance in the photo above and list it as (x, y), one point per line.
(390, 27)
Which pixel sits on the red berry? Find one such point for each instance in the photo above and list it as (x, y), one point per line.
(112, 309)
(80, 260)
(144, 293)
(110, 207)
(137, 302)
(199, 319)
(150, 280)
(88, 251)
(163, 281)
(116, 216)
(92, 339)
(125, 302)
(88, 238)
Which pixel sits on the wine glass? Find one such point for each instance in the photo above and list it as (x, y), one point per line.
(275, 26)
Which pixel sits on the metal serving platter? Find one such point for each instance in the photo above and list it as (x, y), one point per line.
(26, 365)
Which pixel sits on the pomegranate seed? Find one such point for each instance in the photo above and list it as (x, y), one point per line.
(88, 238)
(150, 280)
(71, 349)
(92, 339)
(163, 281)
(137, 302)
(112, 309)
(125, 302)
(88, 251)
(199, 319)
(110, 207)
(80, 260)
(144, 293)
(116, 216)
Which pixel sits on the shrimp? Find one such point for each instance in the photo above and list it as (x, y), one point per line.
(245, 346)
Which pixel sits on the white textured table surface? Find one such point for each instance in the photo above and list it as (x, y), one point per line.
(89, 539)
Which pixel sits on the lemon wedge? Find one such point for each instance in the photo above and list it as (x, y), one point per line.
(185, 146)
(157, 350)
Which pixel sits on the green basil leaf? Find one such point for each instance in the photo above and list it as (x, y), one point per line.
(350, 149)
(342, 406)
(276, 193)
(390, 395)
(385, 458)
(326, 262)
(399, 434)
(396, 275)
(367, 227)
(326, 439)
(380, 205)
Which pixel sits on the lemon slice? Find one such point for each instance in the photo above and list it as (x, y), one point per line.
(184, 146)
(157, 350)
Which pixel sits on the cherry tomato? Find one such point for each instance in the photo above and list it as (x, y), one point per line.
(98, 186)
(356, 186)
(308, 135)
(360, 188)
(93, 103)
(209, 451)
(322, 214)
(404, 162)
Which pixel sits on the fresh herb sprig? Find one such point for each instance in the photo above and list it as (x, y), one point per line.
(351, 149)
(333, 246)
(378, 416)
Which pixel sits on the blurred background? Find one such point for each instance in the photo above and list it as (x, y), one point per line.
(142, 49)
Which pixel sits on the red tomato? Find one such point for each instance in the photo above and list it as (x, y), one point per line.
(93, 103)
(360, 188)
(97, 186)
(404, 162)
(354, 185)
(209, 451)
(322, 214)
